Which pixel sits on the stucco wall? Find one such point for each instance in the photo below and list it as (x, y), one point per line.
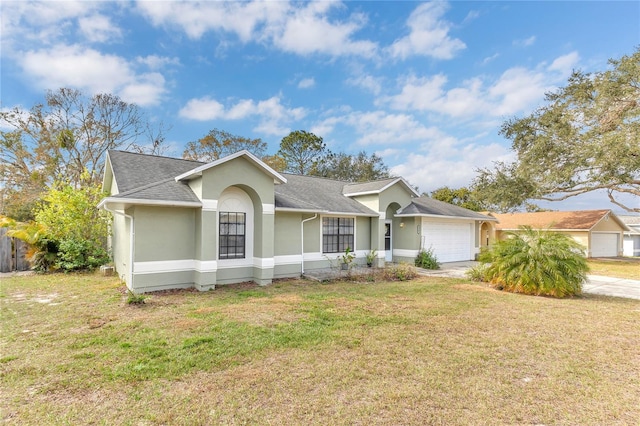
(120, 245)
(164, 233)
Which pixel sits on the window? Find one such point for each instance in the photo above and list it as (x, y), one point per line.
(337, 234)
(232, 235)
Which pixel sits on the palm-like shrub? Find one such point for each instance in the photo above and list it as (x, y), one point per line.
(538, 262)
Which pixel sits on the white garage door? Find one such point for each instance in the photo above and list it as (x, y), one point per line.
(451, 241)
(604, 245)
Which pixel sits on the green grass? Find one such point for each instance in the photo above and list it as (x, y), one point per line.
(428, 351)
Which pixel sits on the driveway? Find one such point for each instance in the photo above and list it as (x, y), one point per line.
(596, 284)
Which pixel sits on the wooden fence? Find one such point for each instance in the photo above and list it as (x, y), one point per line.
(12, 253)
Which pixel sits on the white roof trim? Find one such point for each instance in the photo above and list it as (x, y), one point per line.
(244, 153)
(143, 202)
(488, 219)
(384, 188)
(324, 212)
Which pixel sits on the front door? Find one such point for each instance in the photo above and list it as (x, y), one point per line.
(388, 249)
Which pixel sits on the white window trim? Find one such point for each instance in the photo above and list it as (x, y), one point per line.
(355, 232)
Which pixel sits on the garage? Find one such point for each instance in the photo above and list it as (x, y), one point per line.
(604, 244)
(451, 241)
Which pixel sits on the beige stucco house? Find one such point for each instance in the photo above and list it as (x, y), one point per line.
(599, 231)
(179, 223)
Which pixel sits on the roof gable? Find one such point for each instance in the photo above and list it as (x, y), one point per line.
(376, 187)
(426, 206)
(196, 172)
(582, 220)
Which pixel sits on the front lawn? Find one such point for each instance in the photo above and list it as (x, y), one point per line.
(616, 267)
(429, 351)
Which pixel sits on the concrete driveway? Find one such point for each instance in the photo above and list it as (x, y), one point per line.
(610, 286)
(596, 284)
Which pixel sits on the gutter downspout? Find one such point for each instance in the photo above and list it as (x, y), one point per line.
(302, 241)
(132, 235)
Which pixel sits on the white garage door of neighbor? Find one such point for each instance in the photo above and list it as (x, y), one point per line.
(604, 245)
(451, 241)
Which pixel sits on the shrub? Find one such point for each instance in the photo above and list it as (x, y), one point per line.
(537, 262)
(427, 259)
(135, 299)
(400, 272)
(76, 255)
(478, 273)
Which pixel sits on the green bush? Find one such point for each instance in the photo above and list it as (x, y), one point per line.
(537, 262)
(427, 259)
(76, 255)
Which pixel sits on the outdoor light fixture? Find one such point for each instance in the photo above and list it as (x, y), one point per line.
(401, 224)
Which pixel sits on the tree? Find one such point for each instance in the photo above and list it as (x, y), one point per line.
(462, 197)
(351, 168)
(70, 219)
(218, 143)
(65, 137)
(275, 161)
(586, 138)
(301, 150)
(537, 262)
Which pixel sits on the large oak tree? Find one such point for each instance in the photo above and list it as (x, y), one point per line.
(585, 138)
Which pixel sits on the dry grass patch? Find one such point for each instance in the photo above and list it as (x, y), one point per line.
(281, 309)
(619, 268)
(431, 351)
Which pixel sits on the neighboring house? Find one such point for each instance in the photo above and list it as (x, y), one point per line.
(599, 231)
(180, 223)
(631, 245)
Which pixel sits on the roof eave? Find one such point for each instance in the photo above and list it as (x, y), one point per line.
(143, 202)
(488, 219)
(326, 212)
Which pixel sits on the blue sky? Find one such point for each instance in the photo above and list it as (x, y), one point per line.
(424, 85)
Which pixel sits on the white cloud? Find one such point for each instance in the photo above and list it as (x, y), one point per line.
(271, 114)
(488, 59)
(429, 34)
(300, 28)
(308, 30)
(98, 28)
(91, 70)
(565, 64)
(42, 22)
(516, 90)
(306, 83)
(525, 42)
(203, 109)
(379, 127)
(366, 82)
(428, 94)
(457, 168)
(155, 62)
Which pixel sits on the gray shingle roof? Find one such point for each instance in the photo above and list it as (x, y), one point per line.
(316, 194)
(133, 170)
(152, 178)
(165, 190)
(429, 206)
(375, 185)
